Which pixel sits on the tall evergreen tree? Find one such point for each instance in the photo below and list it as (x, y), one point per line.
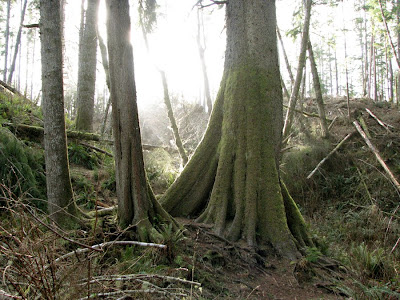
(59, 191)
(136, 202)
(233, 180)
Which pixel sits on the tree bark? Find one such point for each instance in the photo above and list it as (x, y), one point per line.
(318, 92)
(6, 37)
(87, 69)
(302, 60)
(17, 44)
(59, 191)
(235, 166)
(136, 202)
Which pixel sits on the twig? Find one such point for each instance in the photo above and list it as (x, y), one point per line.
(329, 155)
(60, 235)
(395, 245)
(377, 155)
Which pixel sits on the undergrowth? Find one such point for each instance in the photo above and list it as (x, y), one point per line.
(22, 167)
(354, 212)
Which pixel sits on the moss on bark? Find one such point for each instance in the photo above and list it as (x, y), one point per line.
(233, 178)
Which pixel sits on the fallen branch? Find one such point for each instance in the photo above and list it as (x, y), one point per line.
(304, 113)
(99, 247)
(333, 121)
(383, 124)
(138, 276)
(97, 149)
(127, 292)
(377, 155)
(330, 154)
(103, 212)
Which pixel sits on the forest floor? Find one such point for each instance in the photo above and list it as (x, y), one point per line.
(351, 205)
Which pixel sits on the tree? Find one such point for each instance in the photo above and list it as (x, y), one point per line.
(17, 44)
(87, 69)
(59, 191)
(236, 165)
(136, 202)
(302, 61)
(6, 36)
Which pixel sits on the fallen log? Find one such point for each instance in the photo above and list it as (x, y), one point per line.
(37, 131)
(377, 155)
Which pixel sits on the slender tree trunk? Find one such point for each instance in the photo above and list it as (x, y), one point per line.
(289, 69)
(336, 74)
(202, 49)
(87, 69)
(371, 63)
(6, 36)
(236, 164)
(366, 86)
(168, 104)
(375, 77)
(172, 120)
(17, 44)
(318, 92)
(104, 58)
(59, 190)
(136, 202)
(302, 60)
(398, 53)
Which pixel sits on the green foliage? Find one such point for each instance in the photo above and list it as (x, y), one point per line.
(22, 167)
(312, 254)
(83, 156)
(84, 192)
(368, 263)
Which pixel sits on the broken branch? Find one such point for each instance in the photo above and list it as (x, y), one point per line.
(330, 154)
(377, 155)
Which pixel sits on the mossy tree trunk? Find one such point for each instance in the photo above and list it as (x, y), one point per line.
(136, 202)
(232, 180)
(59, 191)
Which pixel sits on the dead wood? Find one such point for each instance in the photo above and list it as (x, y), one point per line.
(330, 154)
(377, 155)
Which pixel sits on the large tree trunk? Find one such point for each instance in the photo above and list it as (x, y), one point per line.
(17, 44)
(302, 60)
(235, 166)
(87, 69)
(59, 190)
(136, 202)
(6, 36)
